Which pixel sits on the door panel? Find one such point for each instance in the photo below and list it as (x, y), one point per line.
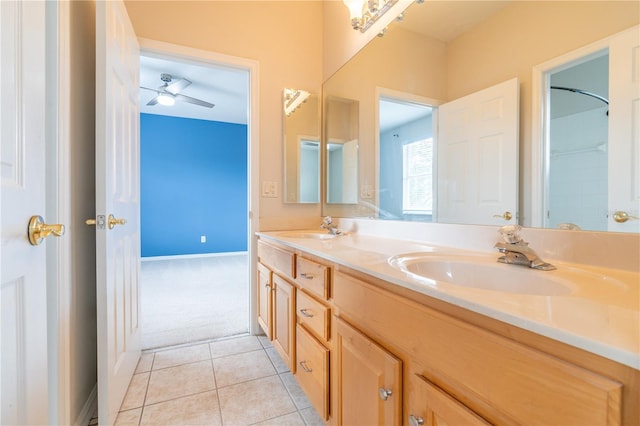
(478, 148)
(365, 371)
(23, 304)
(117, 197)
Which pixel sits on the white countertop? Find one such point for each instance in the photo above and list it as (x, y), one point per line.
(601, 314)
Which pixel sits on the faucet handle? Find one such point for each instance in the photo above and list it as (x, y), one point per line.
(511, 234)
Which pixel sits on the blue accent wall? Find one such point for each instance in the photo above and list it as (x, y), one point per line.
(193, 182)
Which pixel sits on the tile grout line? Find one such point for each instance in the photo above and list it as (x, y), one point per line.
(215, 383)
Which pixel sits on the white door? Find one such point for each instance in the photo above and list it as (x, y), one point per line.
(117, 198)
(23, 295)
(477, 148)
(624, 130)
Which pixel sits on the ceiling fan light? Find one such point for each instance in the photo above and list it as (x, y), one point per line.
(166, 99)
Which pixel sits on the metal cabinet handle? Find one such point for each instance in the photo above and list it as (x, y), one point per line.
(621, 216)
(415, 421)
(38, 230)
(306, 275)
(385, 393)
(303, 365)
(306, 313)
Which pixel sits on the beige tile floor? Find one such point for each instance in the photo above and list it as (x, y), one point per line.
(236, 381)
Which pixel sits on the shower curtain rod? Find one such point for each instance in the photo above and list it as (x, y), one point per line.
(583, 92)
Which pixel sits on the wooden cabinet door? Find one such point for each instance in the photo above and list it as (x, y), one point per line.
(284, 314)
(263, 281)
(429, 405)
(369, 380)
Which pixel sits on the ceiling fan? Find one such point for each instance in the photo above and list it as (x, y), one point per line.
(169, 92)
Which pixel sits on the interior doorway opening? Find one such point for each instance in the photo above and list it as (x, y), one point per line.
(195, 200)
(577, 152)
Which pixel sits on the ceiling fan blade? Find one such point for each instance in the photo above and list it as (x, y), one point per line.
(175, 87)
(153, 101)
(194, 101)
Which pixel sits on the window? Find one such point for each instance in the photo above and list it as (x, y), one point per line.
(417, 177)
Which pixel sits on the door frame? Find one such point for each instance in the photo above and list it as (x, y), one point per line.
(540, 132)
(177, 52)
(406, 97)
(59, 208)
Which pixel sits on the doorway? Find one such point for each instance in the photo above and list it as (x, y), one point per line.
(577, 190)
(195, 185)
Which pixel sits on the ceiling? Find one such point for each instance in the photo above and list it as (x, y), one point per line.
(225, 87)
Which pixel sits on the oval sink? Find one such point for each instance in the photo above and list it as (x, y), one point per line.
(481, 274)
(317, 235)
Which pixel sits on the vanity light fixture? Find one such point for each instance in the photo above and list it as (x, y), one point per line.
(293, 99)
(166, 99)
(364, 13)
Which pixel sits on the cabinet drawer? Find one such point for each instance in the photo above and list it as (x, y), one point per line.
(430, 405)
(313, 277)
(277, 259)
(313, 370)
(313, 315)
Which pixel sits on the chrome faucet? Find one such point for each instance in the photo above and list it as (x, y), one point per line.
(517, 251)
(327, 223)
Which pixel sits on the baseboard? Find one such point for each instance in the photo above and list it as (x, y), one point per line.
(90, 408)
(192, 256)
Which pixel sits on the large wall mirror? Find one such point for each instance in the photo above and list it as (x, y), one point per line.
(301, 139)
(442, 52)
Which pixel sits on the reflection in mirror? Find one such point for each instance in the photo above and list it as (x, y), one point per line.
(342, 117)
(301, 138)
(446, 50)
(405, 160)
(577, 179)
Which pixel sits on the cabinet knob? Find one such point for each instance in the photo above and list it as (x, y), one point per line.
(384, 393)
(415, 421)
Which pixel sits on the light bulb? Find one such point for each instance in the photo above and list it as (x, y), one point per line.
(166, 99)
(355, 11)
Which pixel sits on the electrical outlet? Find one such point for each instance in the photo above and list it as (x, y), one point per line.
(203, 238)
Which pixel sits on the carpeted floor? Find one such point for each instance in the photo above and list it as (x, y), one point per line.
(191, 299)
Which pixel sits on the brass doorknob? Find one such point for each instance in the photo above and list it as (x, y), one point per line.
(506, 215)
(112, 221)
(622, 217)
(38, 230)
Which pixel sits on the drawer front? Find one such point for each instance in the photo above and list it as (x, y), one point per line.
(521, 383)
(277, 259)
(313, 277)
(313, 315)
(313, 370)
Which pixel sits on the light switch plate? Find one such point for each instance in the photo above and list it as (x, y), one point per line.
(269, 189)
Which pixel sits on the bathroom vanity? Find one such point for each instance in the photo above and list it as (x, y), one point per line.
(372, 339)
